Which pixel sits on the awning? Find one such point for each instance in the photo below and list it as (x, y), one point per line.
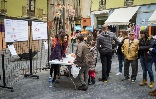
(78, 27)
(89, 28)
(121, 16)
(152, 19)
(100, 12)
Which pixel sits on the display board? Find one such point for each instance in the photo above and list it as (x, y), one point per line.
(16, 30)
(39, 30)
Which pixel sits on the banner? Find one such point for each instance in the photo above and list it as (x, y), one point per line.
(16, 30)
(39, 30)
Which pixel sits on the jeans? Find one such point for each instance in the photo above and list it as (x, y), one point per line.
(134, 65)
(155, 65)
(84, 71)
(106, 64)
(146, 67)
(121, 60)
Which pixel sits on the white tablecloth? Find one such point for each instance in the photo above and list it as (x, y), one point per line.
(65, 60)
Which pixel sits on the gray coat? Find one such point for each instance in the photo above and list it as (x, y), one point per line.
(81, 50)
(104, 42)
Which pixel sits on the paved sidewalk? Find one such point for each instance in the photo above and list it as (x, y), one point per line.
(29, 88)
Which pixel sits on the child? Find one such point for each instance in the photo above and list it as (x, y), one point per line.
(91, 72)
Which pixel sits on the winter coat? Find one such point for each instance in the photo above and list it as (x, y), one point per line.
(144, 46)
(105, 40)
(130, 50)
(94, 51)
(153, 52)
(81, 51)
(56, 52)
(120, 45)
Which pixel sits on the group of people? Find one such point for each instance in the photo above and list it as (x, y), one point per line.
(129, 50)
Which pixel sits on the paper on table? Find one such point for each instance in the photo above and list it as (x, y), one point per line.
(45, 45)
(65, 60)
(12, 49)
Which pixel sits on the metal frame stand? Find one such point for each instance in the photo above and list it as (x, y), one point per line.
(31, 74)
(30, 55)
(4, 83)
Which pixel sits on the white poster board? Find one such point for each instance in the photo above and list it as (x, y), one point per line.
(16, 30)
(39, 30)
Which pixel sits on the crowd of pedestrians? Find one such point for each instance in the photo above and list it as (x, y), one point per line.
(129, 50)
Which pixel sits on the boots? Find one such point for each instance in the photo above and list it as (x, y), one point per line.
(151, 84)
(83, 87)
(144, 82)
(153, 93)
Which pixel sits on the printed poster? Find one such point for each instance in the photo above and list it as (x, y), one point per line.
(16, 30)
(39, 30)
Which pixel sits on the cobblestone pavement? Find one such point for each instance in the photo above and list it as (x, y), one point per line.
(32, 88)
(29, 88)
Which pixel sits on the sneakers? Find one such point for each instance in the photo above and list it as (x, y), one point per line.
(105, 81)
(151, 85)
(100, 79)
(144, 82)
(132, 81)
(119, 73)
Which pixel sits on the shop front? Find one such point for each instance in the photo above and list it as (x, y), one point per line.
(98, 18)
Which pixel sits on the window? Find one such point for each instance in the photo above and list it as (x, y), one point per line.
(3, 8)
(31, 8)
(128, 2)
(102, 4)
(31, 5)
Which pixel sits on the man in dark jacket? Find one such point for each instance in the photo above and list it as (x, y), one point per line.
(104, 46)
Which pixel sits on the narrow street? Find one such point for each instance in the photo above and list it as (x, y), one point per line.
(29, 88)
